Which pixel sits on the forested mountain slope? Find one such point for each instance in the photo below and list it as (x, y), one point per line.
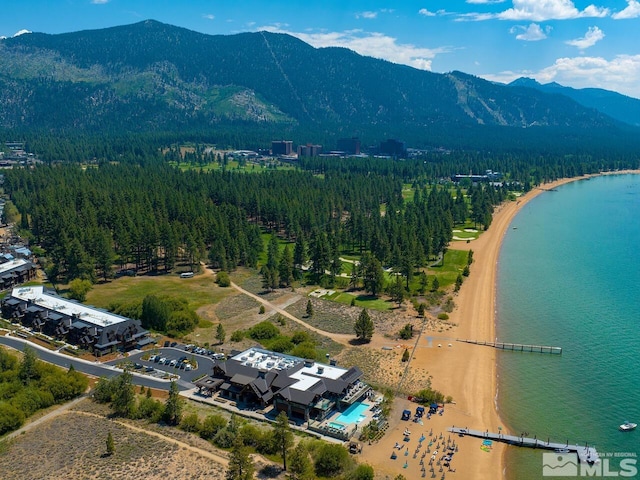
(155, 77)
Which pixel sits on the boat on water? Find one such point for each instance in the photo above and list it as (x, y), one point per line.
(627, 426)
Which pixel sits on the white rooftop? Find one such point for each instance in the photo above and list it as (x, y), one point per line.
(11, 264)
(307, 376)
(86, 314)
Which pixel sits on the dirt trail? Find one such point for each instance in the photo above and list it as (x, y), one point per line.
(341, 338)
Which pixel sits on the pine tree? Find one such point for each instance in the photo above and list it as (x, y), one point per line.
(283, 437)
(300, 467)
(111, 446)
(458, 283)
(123, 400)
(309, 309)
(435, 285)
(28, 368)
(220, 333)
(364, 326)
(241, 466)
(173, 406)
(285, 268)
(405, 355)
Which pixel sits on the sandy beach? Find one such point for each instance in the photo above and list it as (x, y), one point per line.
(466, 372)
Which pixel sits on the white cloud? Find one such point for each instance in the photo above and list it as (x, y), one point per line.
(21, 32)
(532, 33)
(593, 36)
(99, 2)
(631, 11)
(426, 13)
(542, 10)
(538, 11)
(367, 15)
(208, 16)
(621, 74)
(370, 44)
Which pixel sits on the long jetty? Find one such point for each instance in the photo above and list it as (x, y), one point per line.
(516, 347)
(585, 454)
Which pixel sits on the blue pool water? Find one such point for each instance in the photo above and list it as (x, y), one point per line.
(353, 414)
(339, 426)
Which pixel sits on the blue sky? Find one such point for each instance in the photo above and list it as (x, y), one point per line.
(593, 43)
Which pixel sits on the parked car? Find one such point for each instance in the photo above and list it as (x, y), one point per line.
(173, 363)
(149, 369)
(188, 367)
(167, 343)
(173, 344)
(152, 358)
(162, 360)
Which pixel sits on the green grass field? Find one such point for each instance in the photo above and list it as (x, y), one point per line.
(364, 301)
(198, 291)
(454, 262)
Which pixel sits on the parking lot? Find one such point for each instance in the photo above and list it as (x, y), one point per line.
(173, 358)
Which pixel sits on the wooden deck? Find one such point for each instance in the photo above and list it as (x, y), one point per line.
(585, 454)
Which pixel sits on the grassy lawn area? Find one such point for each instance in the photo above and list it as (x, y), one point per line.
(408, 193)
(454, 262)
(364, 301)
(198, 291)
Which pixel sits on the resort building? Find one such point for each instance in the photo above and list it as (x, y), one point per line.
(306, 390)
(87, 327)
(14, 271)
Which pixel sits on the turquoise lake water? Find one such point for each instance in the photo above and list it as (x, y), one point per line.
(569, 276)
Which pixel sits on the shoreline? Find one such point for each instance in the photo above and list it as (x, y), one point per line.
(482, 312)
(466, 372)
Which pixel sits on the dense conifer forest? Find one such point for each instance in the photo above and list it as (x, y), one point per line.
(138, 209)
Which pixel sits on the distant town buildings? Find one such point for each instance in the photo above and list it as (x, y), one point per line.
(393, 148)
(489, 176)
(309, 150)
(350, 146)
(281, 147)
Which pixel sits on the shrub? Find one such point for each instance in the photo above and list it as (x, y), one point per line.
(305, 350)
(405, 355)
(222, 279)
(211, 425)
(261, 310)
(443, 316)
(300, 337)
(190, 423)
(237, 336)
(280, 344)
(331, 460)
(264, 331)
(407, 332)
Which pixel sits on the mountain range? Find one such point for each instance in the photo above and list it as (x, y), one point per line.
(154, 77)
(620, 107)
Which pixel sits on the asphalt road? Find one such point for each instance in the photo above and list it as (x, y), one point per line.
(107, 370)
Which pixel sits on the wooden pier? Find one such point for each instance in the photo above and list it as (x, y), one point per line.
(585, 454)
(516, 347)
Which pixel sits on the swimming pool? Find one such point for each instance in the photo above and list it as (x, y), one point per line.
(336, 425)
(353, 414)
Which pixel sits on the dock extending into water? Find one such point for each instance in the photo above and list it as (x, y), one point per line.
(585, 454)
(516, 347)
